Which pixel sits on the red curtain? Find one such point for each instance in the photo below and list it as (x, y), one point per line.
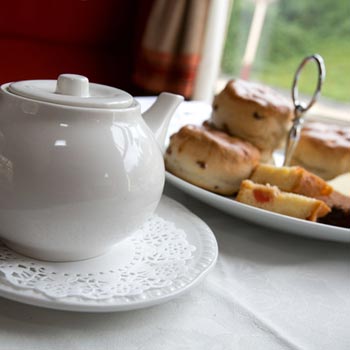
(40, 39)
(171, 46)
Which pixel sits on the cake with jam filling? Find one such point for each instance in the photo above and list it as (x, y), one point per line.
(271, 198)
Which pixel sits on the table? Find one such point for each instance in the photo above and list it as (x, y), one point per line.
(268, 290)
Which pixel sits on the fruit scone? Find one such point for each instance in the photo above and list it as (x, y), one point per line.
(323, 149)
(255, 113)
(210, 158)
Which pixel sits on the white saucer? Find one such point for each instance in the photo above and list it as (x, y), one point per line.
(170, 253)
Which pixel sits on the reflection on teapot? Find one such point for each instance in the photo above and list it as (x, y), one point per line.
(83, 168)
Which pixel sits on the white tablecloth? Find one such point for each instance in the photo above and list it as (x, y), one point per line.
(268, 290)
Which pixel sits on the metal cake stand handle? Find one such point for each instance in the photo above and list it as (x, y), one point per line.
(299, 107)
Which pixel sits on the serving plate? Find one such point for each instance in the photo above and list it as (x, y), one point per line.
(195, 112)
(262, 217)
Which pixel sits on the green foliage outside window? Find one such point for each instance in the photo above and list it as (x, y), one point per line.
(292, 30)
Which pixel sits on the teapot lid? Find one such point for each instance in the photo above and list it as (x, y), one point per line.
(72, 90)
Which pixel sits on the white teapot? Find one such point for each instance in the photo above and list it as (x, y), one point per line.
(80, 169)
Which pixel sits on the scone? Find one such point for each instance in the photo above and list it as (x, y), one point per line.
(323, 149)
(210, 159)
(291, 179)
(254, 113)
(271, 198)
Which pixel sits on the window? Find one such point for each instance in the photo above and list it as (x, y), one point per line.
(290, 31)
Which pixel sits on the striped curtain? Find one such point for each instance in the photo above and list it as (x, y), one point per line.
(171, 46)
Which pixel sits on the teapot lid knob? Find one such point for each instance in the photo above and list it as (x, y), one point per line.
(73, 85)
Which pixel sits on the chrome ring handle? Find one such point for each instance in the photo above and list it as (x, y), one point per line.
(299, 108)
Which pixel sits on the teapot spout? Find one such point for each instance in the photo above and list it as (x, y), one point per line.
(158, 116)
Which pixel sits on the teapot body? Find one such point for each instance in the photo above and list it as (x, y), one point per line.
(74, 181)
